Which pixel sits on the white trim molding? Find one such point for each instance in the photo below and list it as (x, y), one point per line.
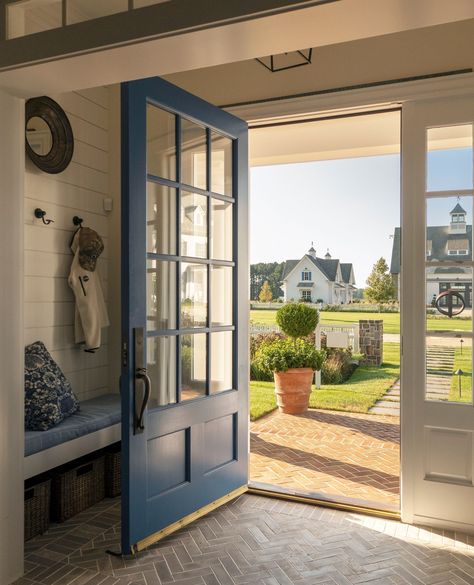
(367, 99)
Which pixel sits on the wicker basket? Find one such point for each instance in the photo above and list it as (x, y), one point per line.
(37, 500)
(112, 473)
(75, 489)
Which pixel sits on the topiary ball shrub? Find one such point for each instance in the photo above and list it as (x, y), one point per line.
(297, 319)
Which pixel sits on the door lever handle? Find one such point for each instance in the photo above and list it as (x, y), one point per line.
(141, 374)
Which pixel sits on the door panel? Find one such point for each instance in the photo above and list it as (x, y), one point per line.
(437, 326)
(184, 287)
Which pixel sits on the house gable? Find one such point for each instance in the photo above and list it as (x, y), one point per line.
(298, 266)
(347, 273)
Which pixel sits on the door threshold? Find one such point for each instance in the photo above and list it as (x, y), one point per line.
(387, 511)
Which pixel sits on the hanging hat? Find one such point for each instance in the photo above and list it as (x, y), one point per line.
(91, 247)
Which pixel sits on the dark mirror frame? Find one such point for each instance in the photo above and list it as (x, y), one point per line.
(60, 155)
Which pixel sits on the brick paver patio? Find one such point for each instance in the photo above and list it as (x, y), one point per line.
(331, 453)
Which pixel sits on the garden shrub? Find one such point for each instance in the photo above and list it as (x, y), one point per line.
(331, 371)
(297, 319)
(257, 371)
(257, 340)
(338, 366)
(284, 354)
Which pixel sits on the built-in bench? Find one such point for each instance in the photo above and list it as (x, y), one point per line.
(96, 425)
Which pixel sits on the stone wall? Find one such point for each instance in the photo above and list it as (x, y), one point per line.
(371, 341)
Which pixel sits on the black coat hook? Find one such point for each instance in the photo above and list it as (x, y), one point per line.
(76, 220)
(40, 214)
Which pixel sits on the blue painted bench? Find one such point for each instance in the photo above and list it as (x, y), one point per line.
(96, 425)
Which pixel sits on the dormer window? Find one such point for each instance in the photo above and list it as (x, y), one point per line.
(306, 275)
(458, 247)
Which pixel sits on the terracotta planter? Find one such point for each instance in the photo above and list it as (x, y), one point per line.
(292, 389)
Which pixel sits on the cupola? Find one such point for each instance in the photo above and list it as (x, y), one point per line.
(328, 255)
(458, 220)
(312, 251)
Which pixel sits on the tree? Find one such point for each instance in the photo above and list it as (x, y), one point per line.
(270, 271)
(265, 295)
(380, 286)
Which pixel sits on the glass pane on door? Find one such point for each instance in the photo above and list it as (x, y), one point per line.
(221, 292)
(193, 295)
(449, 333)
(221, 361)
(161, 295)
(161, 143)
(449, 158)
(161, 366)
(221, 161)
(193, 154)
(193, 225)
(221, 230)
(161, 219)
(193, 365)
(449, 229)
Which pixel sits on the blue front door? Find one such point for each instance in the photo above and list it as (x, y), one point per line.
(184, 299)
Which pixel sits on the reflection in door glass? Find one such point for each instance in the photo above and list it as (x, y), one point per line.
(449, 333)
(160, 143)
(193, 225)
(449, 158)
(221, 361)
(221, 230)
(161, 366)
(221, 294)
(221, 159)
(193, 295)
(193, 366)
(161, 219)
(161, 295)
(449, 229)
(193, 154)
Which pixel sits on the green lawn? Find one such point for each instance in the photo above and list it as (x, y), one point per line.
(464, 362)
(391, 321)
(358, 394)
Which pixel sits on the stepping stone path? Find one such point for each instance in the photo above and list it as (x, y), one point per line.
(439, 373)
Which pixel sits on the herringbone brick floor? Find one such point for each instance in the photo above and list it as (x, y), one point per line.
(253, 541)
(333, 453)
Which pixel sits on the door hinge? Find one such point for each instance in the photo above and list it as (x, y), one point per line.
(124, 354)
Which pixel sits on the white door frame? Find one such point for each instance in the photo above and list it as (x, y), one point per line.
(409, 96)
(433, 490)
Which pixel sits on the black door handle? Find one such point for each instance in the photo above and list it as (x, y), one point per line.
(141, 374)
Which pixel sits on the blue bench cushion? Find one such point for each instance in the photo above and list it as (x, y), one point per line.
(95, 414)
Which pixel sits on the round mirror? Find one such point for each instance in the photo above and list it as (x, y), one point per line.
(49, 139)
(39, 135)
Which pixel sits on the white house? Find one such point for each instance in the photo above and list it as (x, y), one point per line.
(316, 279)
(444, 243)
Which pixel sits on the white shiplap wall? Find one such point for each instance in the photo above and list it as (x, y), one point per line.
(79, 190)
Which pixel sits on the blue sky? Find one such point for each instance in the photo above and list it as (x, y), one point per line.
(350, 206)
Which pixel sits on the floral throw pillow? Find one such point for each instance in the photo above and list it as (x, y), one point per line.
(49, 398)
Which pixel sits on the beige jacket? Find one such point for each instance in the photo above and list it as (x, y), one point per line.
(91, 311)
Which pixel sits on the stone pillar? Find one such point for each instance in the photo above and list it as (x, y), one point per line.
(371, 341)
